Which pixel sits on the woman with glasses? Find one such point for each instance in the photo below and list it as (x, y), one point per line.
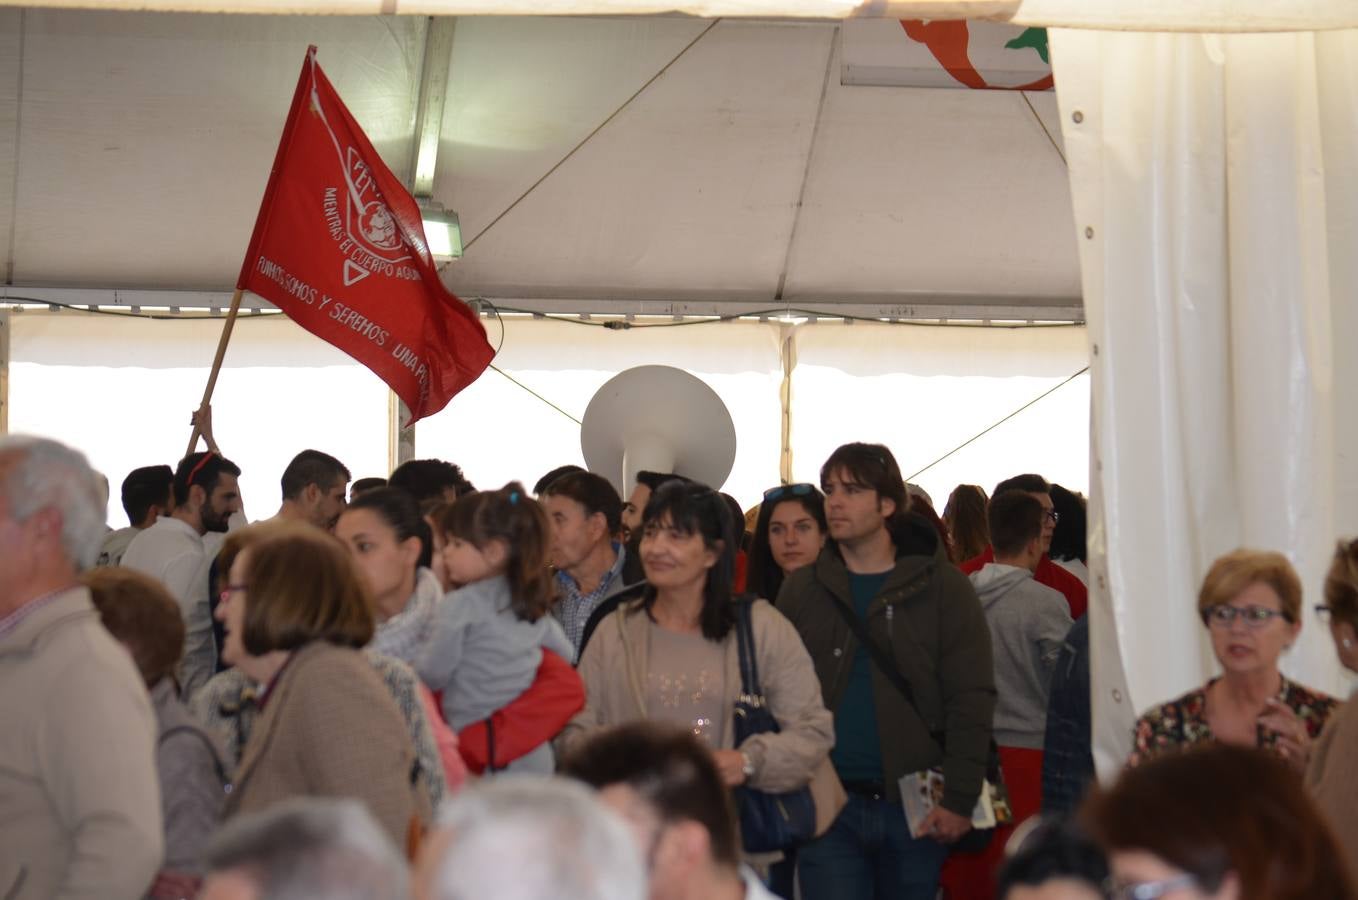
(1250, 603)
(1216, 823)
(789, 534)
(1332, 775)
(297, 614)
(231, 702)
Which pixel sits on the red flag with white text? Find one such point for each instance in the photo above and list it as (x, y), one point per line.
(338, 247)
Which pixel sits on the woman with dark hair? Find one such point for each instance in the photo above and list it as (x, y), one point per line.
(789, 534)
(965, 517)
(672, 655)
(1332, 776)
(1052, 859)
(389, 541)
(231, 702)
(1219, 822)
(1069, 539)
(297, 613)
(387, 538)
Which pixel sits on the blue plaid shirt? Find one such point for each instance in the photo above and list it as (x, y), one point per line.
(573, 608)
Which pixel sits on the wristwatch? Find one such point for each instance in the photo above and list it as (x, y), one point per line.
(748, 766)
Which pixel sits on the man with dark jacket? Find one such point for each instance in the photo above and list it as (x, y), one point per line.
(890, 571)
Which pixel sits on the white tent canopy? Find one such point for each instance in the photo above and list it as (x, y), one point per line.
(680, 166)
(732, 166)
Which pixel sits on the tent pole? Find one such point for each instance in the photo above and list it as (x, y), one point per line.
(4, 372)
(216, 367)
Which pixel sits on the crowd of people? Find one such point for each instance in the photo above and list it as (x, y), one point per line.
(405, 686)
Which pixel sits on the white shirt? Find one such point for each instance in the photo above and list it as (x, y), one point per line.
(115, 545)
(173, 552)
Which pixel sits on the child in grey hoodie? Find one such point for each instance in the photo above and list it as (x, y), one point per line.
(489, 635)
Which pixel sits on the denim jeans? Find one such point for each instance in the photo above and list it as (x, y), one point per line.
(868, 854)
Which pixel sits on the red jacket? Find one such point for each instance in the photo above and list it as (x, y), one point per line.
(1048, 573)
(535, 716)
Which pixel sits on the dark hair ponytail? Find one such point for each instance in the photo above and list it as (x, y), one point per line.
(400, 511)
(511, 516)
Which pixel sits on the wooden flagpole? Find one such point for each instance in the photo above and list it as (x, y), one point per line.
(216, 367)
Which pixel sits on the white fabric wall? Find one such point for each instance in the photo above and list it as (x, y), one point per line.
(1215, 182)
(122, 389)
(923, 391)
(497, 431)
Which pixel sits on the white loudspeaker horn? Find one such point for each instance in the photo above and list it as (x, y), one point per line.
(658, 419)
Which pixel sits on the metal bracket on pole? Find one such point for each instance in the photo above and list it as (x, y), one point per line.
(433, 97)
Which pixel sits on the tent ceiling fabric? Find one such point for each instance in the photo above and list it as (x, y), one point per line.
(813, 9)
(145, 141)
(139, 145)
(1124, 15)
(692, 190)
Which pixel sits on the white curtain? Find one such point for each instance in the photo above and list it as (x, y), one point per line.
(498, 431)
(1215, 184)
(924, 391)
(122, 390)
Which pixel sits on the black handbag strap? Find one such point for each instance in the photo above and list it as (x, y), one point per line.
(749, 665)
(883, 661)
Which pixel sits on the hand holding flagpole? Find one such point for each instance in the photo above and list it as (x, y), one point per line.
(202, 419)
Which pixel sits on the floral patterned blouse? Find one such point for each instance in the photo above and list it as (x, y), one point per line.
(1183, 722)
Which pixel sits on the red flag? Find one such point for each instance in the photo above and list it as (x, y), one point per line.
(339, 247)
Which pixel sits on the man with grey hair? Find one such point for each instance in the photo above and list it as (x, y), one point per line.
(79, 797)
(530, 838)
(303, 849)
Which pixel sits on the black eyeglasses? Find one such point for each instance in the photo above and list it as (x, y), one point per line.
(1223, 615)
(774, 494)
(1053, 515)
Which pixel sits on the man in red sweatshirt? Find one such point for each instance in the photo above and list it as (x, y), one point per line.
(1048, 572)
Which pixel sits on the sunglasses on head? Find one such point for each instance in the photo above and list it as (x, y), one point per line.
(774, 494)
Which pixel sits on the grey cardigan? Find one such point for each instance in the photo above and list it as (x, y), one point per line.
(193, 779)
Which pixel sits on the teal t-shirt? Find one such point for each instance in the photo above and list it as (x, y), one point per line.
(858, 750)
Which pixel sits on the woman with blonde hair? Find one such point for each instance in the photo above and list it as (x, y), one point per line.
(1250, 604)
